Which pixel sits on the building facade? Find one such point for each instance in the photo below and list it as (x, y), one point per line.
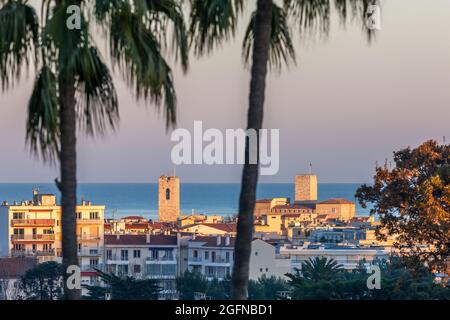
(33, 229)
(145, 257)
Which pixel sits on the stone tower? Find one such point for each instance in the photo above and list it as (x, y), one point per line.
(168, 199)
(306, 187)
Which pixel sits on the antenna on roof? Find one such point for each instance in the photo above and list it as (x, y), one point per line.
(310, 168)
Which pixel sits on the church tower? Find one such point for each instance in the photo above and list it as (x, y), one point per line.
(306, 188)
(168, 198)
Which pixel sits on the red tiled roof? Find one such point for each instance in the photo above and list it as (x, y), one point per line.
(15, 267)
(227, 227)
(140, 239)
(211, 241)
(336, 201)
(136, 226)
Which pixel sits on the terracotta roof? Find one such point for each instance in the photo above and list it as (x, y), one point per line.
(337, 201)
(140, 239)
(211, 241)
(136, 226)
(15, 267)
(227, 227)
(263, 200)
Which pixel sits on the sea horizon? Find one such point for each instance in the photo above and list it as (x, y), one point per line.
(124, 199)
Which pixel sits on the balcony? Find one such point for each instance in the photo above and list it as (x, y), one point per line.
(33, 222)
(33, 253)
(92, 267)
(95, 252)
(116, 259)
(161, 260)
(33, 237)
(89, 221)
(88, 238)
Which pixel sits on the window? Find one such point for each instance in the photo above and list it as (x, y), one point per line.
(195, 254)
(137, 268)
(167, 194)
(79, 215)
(93, 215)
(18, 215)
(206, 255)
(109, 254)
(227, 256)
(93, 262)
(213, 256)
(256, 253)
(136, 253)
(124, 255)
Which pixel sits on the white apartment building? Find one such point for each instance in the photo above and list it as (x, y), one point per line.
(145, 256)
(33, 229)
(211, 256)
(348, 256)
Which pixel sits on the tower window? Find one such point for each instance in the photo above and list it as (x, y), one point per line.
(167, 194)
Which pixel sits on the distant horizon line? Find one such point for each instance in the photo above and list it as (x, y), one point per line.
(187, 182)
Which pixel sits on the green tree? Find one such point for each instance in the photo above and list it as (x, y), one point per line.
(74, 89)
(127, 288)
(320, 268)
(189, 283)
(412, 200)
(267, 42)
(219, 289)
(266, 288)
(43, 282)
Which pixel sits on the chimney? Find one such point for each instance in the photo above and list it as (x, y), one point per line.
(193, 236)
(227, 240)
(147, 238)
(219, 240)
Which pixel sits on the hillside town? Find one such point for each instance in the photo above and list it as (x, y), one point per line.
(286, 233)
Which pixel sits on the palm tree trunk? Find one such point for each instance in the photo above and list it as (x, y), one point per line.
(247, 199)
(68, 184)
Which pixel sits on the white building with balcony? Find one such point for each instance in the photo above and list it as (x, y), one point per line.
(212, 256)
(347, 256)
(144, 256)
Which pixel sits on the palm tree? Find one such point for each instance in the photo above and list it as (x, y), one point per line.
(268, 42)
(320, 268)
(74, 89)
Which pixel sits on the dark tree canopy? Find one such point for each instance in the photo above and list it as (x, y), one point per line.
(412, 200)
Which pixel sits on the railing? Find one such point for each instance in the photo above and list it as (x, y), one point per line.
(32, 222)
(32, 237)
(91, 252)
(156, 259)
(88, 238)
(89, 221)
(92, 267)
(115, 257)
(31, 253)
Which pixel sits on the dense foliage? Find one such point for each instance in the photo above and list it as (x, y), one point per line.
(412, 200)
(43, 282)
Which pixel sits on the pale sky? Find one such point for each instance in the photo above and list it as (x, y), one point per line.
(343, 107)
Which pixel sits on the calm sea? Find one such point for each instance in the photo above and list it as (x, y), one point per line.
(123, 199)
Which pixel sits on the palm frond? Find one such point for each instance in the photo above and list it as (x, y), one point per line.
(212, 22)
(281, 46)
(43, 116)
(97, 104)
(310, 15)
(19, 25)
(137, 53)
(356, 10)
